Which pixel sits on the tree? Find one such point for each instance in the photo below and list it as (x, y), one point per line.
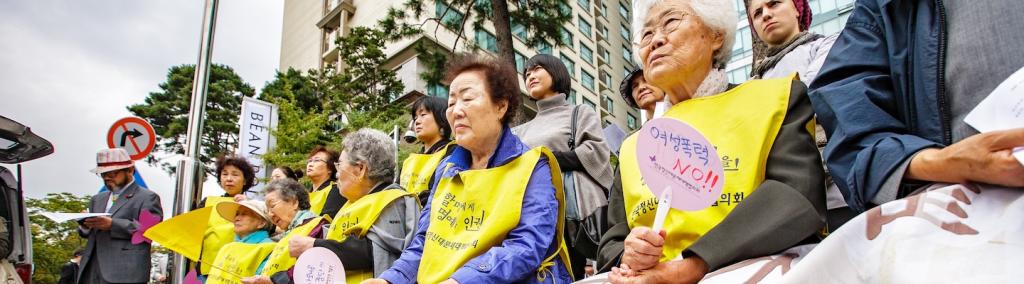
(167, 110)
(362, 94)
(53, 243)
(540, 20)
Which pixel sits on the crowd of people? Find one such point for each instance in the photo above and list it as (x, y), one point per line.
(819, 178)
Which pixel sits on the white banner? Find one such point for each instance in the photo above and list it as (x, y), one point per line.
(254, 138)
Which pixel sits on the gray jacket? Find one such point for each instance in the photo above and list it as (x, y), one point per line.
(120, 261)
(551, 128)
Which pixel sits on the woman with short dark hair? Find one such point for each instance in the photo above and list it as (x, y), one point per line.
(575, 137)
(495, 214)
(324, 197)
(432, 129)
(235, 176)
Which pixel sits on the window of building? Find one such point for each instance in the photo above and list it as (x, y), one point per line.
(630, 121)
(569, 64)
(604, 53)
(624, 32)
(627, 54)
(437, 90)
(520, 62)
(566, 37)
(604, 32)
(607, 79)
(587, 80)
(452, 19)
(486, 40)
(586, 53)
(585, 4)
(608, 103)
(624, 11)
(518, 30)
(564, 8)
(544, 48)
(584, 26)
(572, 97)
(589, 103)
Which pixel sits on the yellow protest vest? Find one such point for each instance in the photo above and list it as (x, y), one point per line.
(476, 209)
(280, 258)
(218, 233)
(419, 168)
(318, 199)
(356, 218)
(742, 124)
(236, 260)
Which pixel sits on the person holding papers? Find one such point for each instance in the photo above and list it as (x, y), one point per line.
(110, 256)
(773, 197)
(895, 97)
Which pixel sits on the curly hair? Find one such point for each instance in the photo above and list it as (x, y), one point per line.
(248, 173)
(290, 190)
(374, 149)
(500, 78)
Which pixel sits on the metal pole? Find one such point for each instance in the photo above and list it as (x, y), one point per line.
(190, 169)
(395, 134)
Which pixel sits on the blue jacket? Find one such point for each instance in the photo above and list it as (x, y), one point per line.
(880, 95)
(521, 253)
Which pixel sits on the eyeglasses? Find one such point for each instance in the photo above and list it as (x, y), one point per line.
(314, 160)
(668, 25)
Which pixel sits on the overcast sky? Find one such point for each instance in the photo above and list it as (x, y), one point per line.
(68, 69)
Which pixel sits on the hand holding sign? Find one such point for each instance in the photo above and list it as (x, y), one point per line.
(318, 266)
(672, 155)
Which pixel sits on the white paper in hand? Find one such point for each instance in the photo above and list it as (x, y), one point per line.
(61, 217)
(1003, 109)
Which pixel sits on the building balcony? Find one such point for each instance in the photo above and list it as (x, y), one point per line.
(339, 11)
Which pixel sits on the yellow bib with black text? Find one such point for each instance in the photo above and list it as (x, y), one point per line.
(280, 258)
(475, 210)
(318, 199)
(219, 232)
(742, 124)
(356, 218)
(237, 260)
(418, 169)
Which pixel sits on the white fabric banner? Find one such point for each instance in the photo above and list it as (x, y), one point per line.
(254, 138)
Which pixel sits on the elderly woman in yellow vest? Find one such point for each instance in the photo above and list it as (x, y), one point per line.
(324, 197)
(432, 129)
(494, 215)
(247, 255)
(288, 206)
(773, 197)
(372, 229)
(235, 176)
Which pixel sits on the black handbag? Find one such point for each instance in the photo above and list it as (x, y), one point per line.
(583, 232)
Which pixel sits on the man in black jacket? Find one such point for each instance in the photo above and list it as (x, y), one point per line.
(70, 269)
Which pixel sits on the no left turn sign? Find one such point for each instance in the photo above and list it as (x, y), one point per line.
(133, 134)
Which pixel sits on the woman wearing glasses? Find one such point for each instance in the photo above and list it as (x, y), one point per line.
(772, 200)
(372, 229)
(324, 198)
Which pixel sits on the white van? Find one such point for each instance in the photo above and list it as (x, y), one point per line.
(17, 144)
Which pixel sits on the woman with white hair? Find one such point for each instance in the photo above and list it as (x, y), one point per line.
(370, 231)
(773, 197)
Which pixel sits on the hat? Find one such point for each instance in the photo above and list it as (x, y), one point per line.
(111, 160)
(626, 87)
(228, 210)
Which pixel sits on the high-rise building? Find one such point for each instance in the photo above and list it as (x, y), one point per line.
(596, 50)
(829, 18)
